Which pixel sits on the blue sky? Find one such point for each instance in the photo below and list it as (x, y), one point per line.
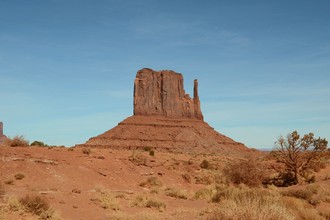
(67, 66)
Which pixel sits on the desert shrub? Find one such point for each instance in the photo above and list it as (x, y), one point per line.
(205, 165)
(70, 148)
(205, 178)
(246, 172)
(176, 193)
(86, 151)
(138, 159)
(18, 141)
(144, 201)
(38, 144)
(152, 153)
(15, 205)
(151, 182)
(206, 193)
(249, 204)
(108, 200)
(312, 194)
(35, 204)
(9, 182)
(301, 209)
(186, 177)
(19, 176)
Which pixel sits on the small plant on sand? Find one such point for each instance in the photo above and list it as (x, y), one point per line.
(19, 176)
(176, 193)
(107, 200)
(152, 181)
(144, 201)
(18, 141)
(205, 165)
(138, 158)
(37, 205)
(9, 182)
(86, 151)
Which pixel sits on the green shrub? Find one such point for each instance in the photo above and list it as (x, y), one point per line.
(38, 144)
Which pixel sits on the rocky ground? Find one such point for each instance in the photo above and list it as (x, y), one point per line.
(85, 183)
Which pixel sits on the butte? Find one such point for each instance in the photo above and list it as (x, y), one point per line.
(167, 119)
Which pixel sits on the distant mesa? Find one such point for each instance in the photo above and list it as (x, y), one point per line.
(165, 118)
(3, 137)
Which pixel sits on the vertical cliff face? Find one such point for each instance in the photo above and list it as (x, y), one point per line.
(162, 93)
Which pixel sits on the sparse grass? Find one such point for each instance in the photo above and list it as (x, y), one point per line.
(19, 176)
(300, 208)
(34, 204)
(15, 205)
(144, 201)
(107, 200)
(139, 216)
(151, 182)
(17, 141)
(206, 193)
(176, 193)
(313, 194)
(249, 204)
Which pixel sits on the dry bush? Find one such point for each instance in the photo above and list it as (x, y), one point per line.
(205, 165)
(107, 200)
(17, 141)
(15, 205)
(138, 159)
(144, 201)
(313, 194)
(151, 182)
(34, 204)
(176, 193)
(186, 177)
(86, 151)
(242, 203)
(248, 172)
(205, 178)
(206, 193)
(19, 176)
(301, 209)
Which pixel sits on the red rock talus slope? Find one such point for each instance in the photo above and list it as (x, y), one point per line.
(164, 133)
(165, 118)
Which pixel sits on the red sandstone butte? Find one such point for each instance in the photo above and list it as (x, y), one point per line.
(162, 93)
(3, 138)
(165, 118)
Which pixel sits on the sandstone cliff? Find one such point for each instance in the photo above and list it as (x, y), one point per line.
(162, 93)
